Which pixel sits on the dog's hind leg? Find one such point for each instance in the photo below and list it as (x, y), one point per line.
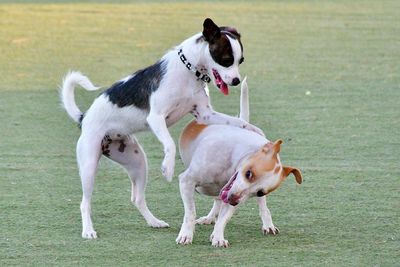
(88, 154)
(187, 188)
(212, 215)
(127, 152)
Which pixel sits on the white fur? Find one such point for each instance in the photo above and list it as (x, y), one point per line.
(178, 93)
(72, 79)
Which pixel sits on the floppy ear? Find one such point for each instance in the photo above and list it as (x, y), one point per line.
(211, 31)
(296, 172)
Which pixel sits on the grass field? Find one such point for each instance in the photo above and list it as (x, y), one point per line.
(324, 76)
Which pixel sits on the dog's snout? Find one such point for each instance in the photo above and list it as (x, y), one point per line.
(233, 199)
(235, 81)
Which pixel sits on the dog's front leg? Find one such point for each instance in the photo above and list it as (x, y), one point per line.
(187, 187)
(159, 127)
(217, 236)
(268, 227)
(205, 114)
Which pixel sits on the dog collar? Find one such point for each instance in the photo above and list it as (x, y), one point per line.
(200, 76)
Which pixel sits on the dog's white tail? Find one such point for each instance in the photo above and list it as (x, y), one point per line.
(67, 94)
(244, 101)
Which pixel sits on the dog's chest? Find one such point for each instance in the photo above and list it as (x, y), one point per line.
(178, 110)
(211, 189)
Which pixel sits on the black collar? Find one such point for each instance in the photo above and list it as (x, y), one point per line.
(200, 76)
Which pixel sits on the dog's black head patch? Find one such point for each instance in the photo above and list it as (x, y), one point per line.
(219, 44)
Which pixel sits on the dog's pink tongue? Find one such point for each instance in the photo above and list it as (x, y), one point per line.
(224, 196)
(224, 88)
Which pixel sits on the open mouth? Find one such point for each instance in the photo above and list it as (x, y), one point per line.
(225, 190)
(223, 87)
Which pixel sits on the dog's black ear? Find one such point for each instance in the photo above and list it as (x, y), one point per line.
(211, 31)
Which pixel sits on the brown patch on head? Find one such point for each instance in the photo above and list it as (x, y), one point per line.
(265, 160)
(277, 169)
(190, 133)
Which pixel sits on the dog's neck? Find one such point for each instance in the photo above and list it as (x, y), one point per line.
(199, 72)
(194, 50)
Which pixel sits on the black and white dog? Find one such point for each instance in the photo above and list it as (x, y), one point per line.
(155, 97)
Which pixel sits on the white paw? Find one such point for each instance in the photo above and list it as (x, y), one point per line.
(167, 168)
(219, 242)
(205, 220)
(184, 239)
(89, 234)
(270, 230)
(185, 236)
(158, 224)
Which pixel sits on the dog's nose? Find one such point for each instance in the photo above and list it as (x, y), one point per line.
(233, 199)
(235, 81)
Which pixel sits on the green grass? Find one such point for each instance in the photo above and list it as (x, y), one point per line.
(344, 135)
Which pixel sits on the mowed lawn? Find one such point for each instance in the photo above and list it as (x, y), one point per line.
(324, 76)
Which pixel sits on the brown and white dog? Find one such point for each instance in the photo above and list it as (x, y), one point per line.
(230, 164)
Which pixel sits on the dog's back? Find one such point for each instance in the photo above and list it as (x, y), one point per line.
(194, 131)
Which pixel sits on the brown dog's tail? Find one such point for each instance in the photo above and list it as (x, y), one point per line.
(244, 101)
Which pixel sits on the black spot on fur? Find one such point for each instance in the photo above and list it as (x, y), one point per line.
(137, 89)
(105, 145)
(122, 146)
(80, 120)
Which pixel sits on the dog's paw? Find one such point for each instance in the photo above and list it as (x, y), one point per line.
(205, 220)
(158, 224)
(184, 239)
(185, 236)
(167, 168)
(270, 230)
(219, 242)
(89, 234)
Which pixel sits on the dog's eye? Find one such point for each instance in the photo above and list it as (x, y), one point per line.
(241, 60)
(249, 175)
(226, 61)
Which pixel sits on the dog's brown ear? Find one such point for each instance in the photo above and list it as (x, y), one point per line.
(211, 31)
(275, 147)
(296, 172)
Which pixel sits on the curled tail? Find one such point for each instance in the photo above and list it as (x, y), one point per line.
(244, 101)
(67, 95)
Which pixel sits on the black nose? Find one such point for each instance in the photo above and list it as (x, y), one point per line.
(235, 81)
